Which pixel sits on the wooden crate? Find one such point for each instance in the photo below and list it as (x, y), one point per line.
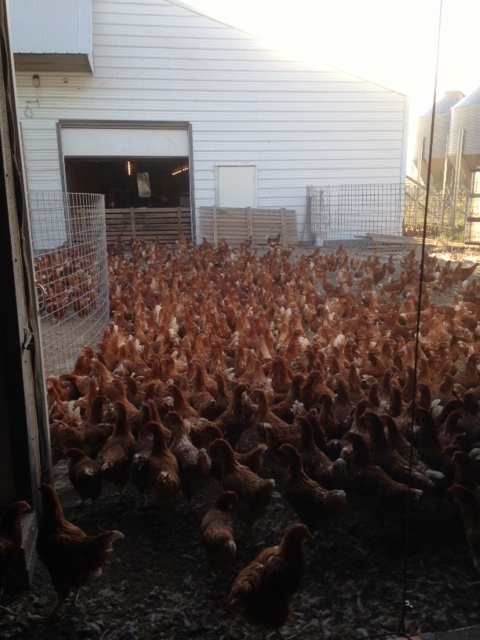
(237, 225)
(162, 224)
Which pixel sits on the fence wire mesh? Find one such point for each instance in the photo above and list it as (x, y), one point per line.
(349, 212)
(70, 252)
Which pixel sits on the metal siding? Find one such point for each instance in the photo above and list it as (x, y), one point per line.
(299, 123)
(87, 142)
(466, 118)
(41, 154)
(51, 26)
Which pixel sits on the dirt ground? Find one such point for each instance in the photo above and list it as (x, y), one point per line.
(370, 576)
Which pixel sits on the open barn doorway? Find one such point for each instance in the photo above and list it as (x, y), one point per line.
(131, 182)
(142, 169)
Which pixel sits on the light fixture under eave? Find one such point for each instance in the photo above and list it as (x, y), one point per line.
(36, 80)
(182, 169)
(129, 168)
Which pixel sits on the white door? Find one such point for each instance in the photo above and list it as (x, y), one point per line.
(236, 186)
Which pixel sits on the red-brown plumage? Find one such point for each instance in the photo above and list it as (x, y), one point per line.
(193, 463)
(371, 481)
(118, 450)
(73, 558)
(232, 422)
(163, 485)
(254, 493)
(389, 458)
(85, 474)
(316, 506)
(316, 463)
(217, 530)
(262, 592)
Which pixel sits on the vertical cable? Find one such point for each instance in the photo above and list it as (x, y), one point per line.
(405, 603)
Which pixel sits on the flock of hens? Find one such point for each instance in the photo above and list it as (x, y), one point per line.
(319, 379)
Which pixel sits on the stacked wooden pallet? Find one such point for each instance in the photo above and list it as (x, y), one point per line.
(237, 225)
(162, 224)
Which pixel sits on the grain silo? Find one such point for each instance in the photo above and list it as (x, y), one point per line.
(464, 160)
(443, 110)
(464, 139)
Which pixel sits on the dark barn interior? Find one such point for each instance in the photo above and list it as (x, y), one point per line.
(131, 182)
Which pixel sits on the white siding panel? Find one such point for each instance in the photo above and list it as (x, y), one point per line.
(51, 26)
(84, 142)
(299, 123)
(41, 153)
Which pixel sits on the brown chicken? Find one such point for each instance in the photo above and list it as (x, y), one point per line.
(180, 404)
(232, 421)
(316, 506)
(429, 445)
(389, 458)
(85, 475)
(72, 558)
(164, 484)
(10, 540)
(139, 464)
(327, 418)
(95, 429)
(316, 463)
(116, 454)
(371, 481)
(262, 592)
(253, 459)
(285, 408)
(63, 436)
(193, 464)
(408, 450)
(203, 391)
(342, 405)
(469, 511)
(217, 529)
(467, 472)
(204, 433)
(254, 493)
(264, 415)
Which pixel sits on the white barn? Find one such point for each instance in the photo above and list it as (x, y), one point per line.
(195, 112)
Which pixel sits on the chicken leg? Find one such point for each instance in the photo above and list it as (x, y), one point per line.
(54, 613)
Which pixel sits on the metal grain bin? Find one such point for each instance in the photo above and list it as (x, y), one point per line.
(464, 138)
(443, 110)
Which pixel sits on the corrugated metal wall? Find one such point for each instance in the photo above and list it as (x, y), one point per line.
(51, 26)
(159, 61)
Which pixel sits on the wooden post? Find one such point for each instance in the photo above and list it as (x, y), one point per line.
(24, 435)
(179, 220)
(283, 213)
(132, 222)
(215, 226)
(249, 223)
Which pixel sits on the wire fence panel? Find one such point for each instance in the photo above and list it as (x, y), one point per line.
(347, 212)
(69, 244)
(447, 211)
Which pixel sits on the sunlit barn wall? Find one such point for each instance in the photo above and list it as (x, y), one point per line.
(298, 123)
